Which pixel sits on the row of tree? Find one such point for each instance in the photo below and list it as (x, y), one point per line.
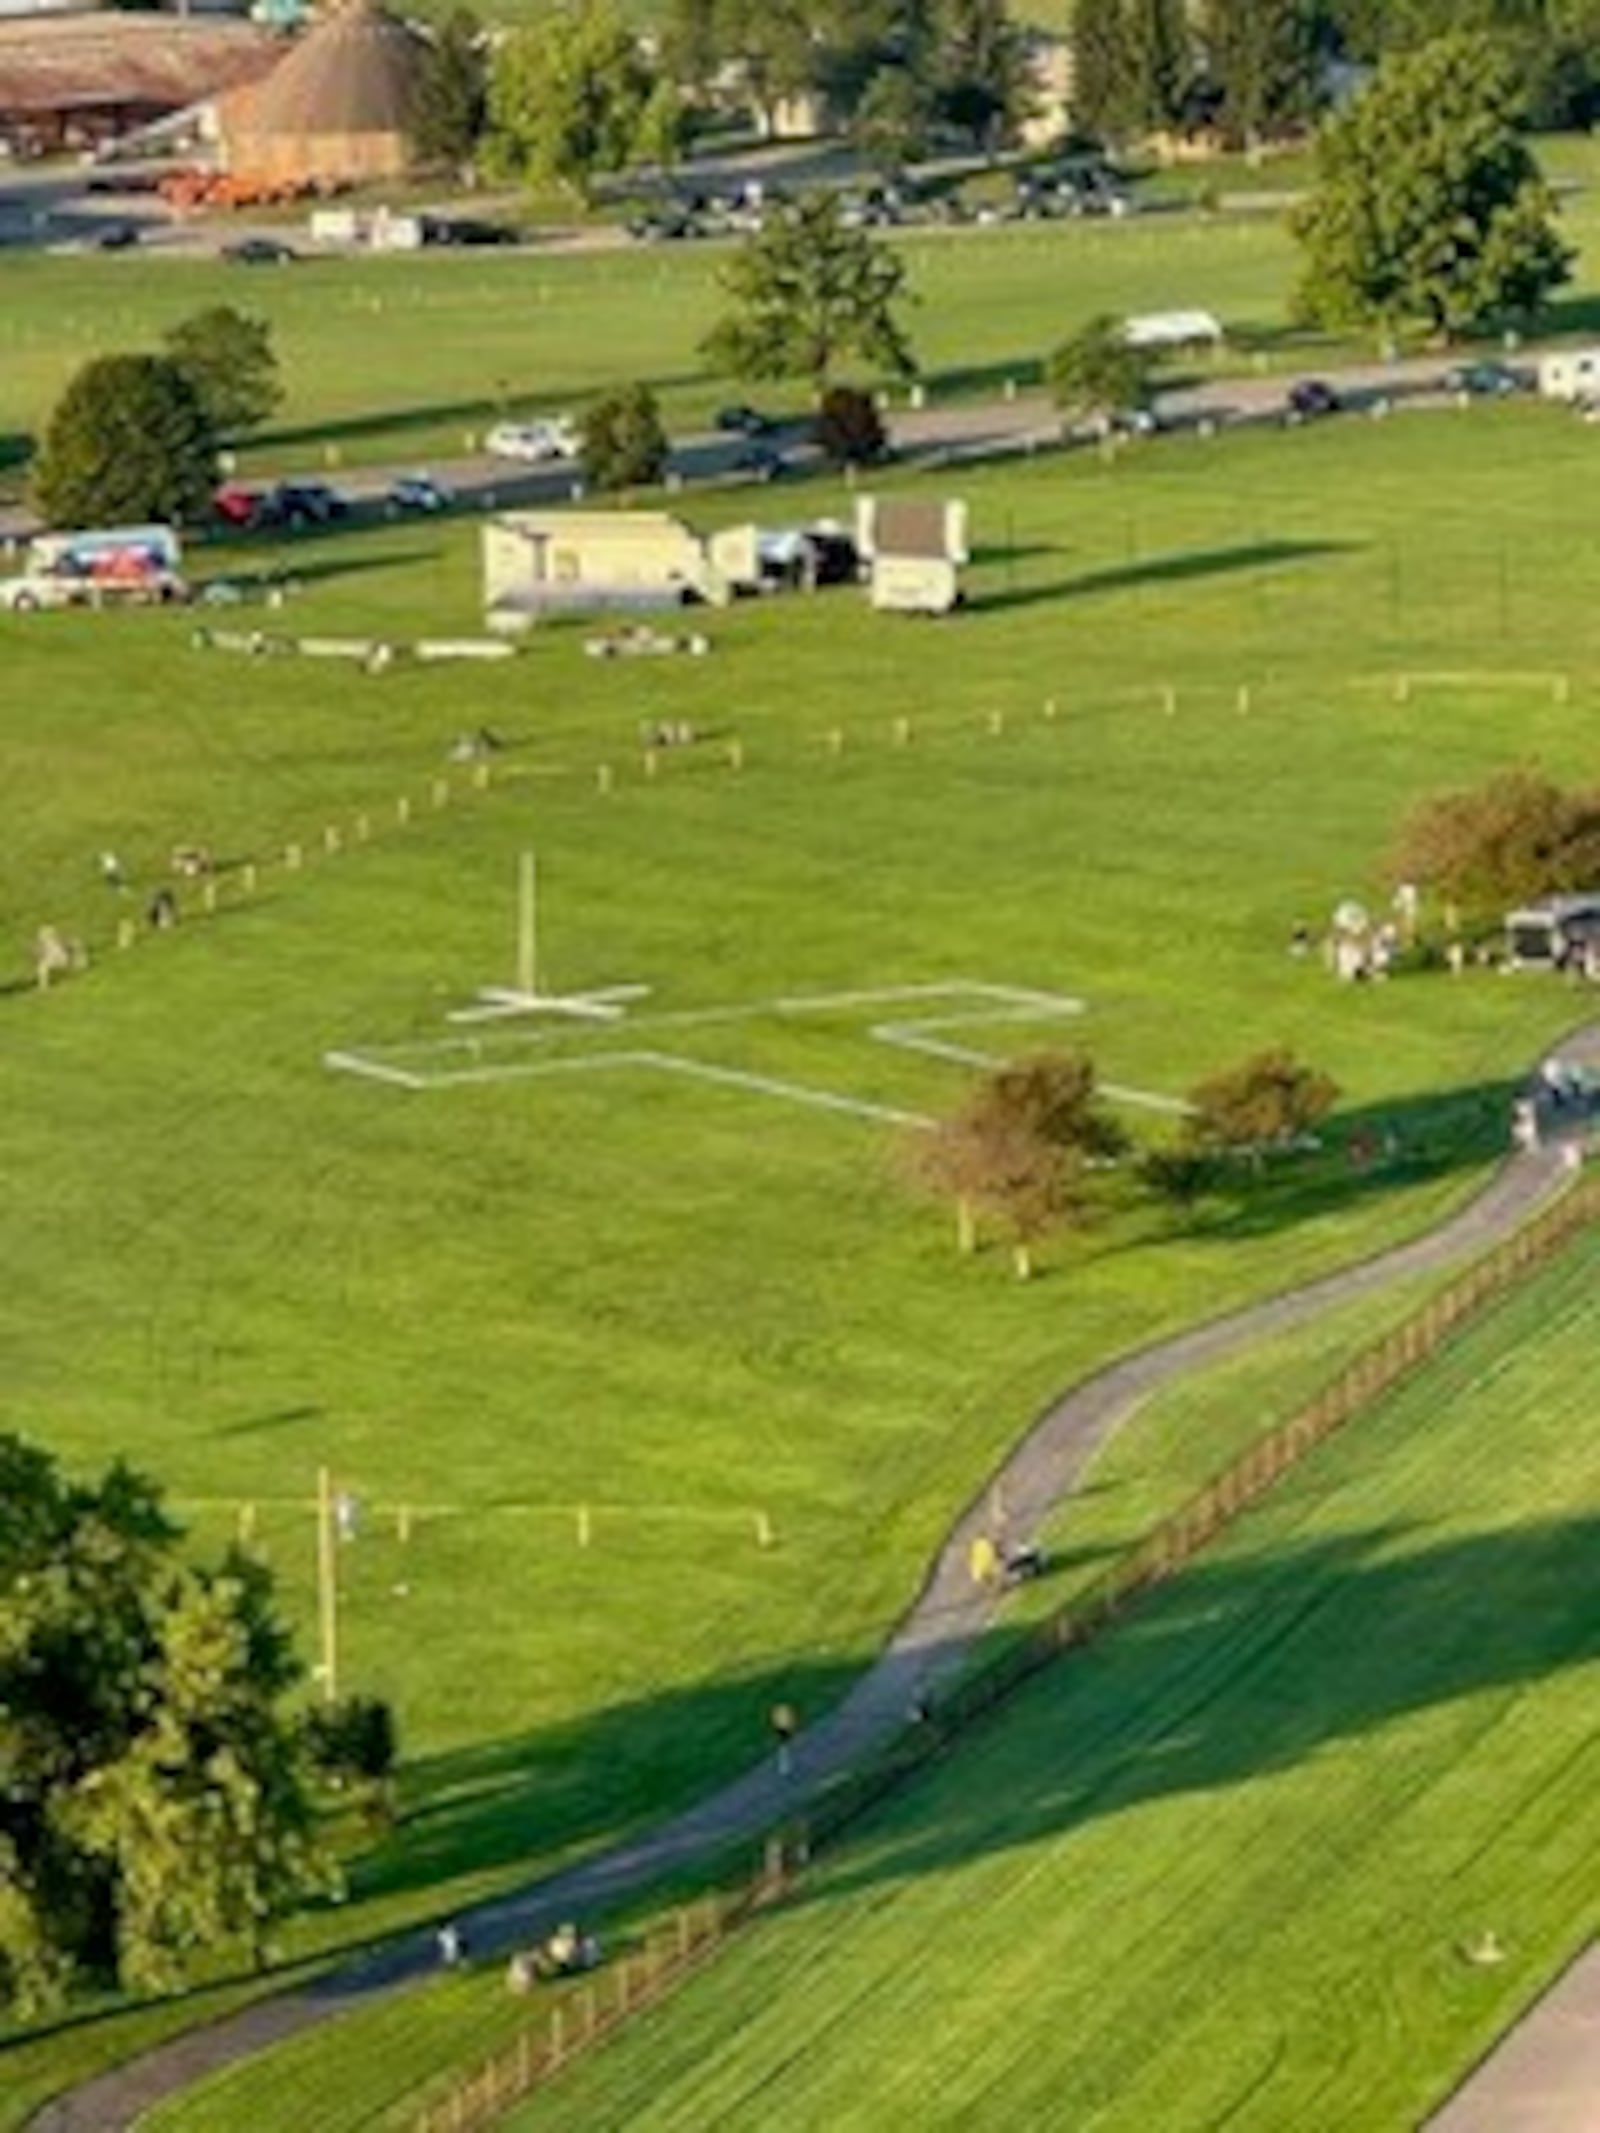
(1259, 68)
(1023, 1151)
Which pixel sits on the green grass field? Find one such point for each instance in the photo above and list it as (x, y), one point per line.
(680, 1304)
(1221, 1870)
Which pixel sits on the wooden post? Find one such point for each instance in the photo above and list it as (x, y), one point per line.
(363, 828)
(402, 809)
(208, 893)
(585, 1527)
(1049, 707)
(652, 762)
(441, 792)
(603, 777)
(1169, 700)
(327, 1586)
(763, 1530)
(126, 933)
(997, 722)
(736, 755)
(331, 840)
(902, 732)
(1244, 696)
(247, 877)
(480, 776)
(836, 740)
(292, 857)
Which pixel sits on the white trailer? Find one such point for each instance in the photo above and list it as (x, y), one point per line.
(1573, 375)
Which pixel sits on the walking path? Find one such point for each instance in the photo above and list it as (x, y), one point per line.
(927, 1650)
(1544, 2075)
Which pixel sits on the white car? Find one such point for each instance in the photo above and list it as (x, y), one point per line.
(555, 438)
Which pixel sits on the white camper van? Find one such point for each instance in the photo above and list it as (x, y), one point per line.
(1573, 375)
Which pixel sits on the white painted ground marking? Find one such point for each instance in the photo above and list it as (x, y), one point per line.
(504, 1055)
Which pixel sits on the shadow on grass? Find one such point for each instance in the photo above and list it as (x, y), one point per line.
(1366, 1152)
(512, 402)
(1241, 1668)
(482, 1808)
(1178, 568)
(989, 381)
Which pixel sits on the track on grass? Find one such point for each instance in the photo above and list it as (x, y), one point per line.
(926, 1650)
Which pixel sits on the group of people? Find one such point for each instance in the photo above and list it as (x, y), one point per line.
(567, 1952)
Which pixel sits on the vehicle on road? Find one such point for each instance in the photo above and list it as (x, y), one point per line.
(116, 237)
(299, 504)
(762, 462)
(97, 567)
(416, 492)
(238, 505)
(742, 421)
(1310, 398)
(259, 252)
(1484, 380)
(555, 437)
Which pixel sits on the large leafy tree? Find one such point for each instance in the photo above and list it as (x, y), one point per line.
(982, 84)
(1261, 63)
(1267, 1102)
(1505, 842)
(1018, 1149)
(130, 440)
(452, 92)
(154, 1811)
(229, 359)
(806, 291)
(1158, 62)
(1098, 373)
(1101, 90)
(577, 99)
(1429, 209)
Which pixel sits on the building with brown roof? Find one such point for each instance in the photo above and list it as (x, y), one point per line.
(73, 80)
(339, 108)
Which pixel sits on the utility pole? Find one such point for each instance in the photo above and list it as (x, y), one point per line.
(527, 920)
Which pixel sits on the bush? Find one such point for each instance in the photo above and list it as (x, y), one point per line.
(848, 428)
(352, 1741)
(624, 445)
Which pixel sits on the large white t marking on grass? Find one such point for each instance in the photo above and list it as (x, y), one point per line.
(521, 1053)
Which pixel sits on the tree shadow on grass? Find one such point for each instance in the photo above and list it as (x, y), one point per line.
(1178, 568)
(512, 404)
(1243, 1667)
(1364, 1153)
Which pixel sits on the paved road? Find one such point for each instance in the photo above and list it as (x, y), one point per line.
(1544, 2077)
(926, 1652)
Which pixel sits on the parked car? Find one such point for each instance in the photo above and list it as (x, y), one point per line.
(1309, 398)
(761, 462)
(259, 252)
(416, 492)
(742, 421)
(556, 437)
(1484, 380)
(239, 506)
(299, 504)
(467, 230)
(116, 237)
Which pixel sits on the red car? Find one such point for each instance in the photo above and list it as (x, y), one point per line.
(239, 506)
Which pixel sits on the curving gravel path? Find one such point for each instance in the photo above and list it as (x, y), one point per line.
(926, 1651)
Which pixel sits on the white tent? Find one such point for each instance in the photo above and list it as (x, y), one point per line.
(1172, 329)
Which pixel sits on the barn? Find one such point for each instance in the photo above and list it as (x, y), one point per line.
(79, 79)
(339, 109)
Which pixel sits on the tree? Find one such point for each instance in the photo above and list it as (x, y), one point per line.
(849, 428)
(228, 358)
(1098, 374)
(1018, 1149)
(130, 441)
(806, 291)
(1261, 60)
(1429, 208)
(892, 121)
(1100, 77)
(1269, 1101)
(452, 93)
(154, 1806)
(576, 99)
(1158, 62)
(624, 445)
(1503, 843)
(982, 84)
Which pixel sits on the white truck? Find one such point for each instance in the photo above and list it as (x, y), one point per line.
(99, 567)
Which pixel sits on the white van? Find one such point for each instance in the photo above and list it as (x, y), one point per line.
(1573, 375)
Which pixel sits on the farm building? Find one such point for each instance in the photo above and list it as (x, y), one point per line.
(575, 562)
(913, 549)
(78, 79)
(339, 109)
